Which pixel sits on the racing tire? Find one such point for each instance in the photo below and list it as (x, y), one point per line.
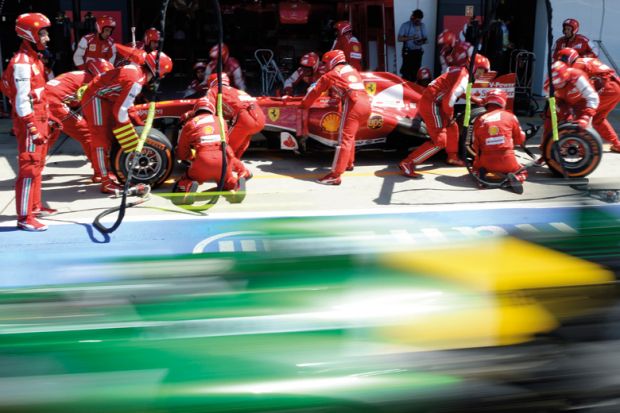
(580, 151)
(154, 164)
(468, 135)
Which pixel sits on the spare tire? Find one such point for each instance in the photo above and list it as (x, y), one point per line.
(154, 163)
(580, 151)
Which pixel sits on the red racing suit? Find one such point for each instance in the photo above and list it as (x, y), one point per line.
(607, 84)
(495, 135)
(436, 107)
(298, 77)
(61, 94)
(232, 68)
(23, 82)
(92, 46)
(243, 112)
(578, 42)
(458, 55)
(105, 105)
(345, 82)
(202, 133)
(576, 100)
(196, 88)
(352, 49)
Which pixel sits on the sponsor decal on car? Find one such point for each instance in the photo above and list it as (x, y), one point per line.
(375, 121)
(273, 113)
(330, 122)
(371, 88)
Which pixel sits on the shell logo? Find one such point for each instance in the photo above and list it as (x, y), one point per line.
(356, 48)
(493, 130)
(330, 122)
(208, 129)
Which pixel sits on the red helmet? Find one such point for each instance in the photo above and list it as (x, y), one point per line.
(446, 38)
(343, 27)
(310, 60)
(212, 80)
(568, 55)
(559, 74)
(424, 73)
(213, 53)
(103, 22)
(165, 63)
(199, 65)
(98, 66)
(151, 35)
(204, 104)
(572, 23)
(27, 26)
(481, 62)
(496, 97)
(333, 58)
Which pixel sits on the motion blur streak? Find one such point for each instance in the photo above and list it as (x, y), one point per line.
(523, 323)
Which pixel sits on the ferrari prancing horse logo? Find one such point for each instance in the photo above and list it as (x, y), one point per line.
(273, 113)
(371, 88)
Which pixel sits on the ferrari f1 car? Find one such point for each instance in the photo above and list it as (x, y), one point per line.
(392, 125)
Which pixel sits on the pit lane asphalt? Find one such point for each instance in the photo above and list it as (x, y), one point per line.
(283, 185)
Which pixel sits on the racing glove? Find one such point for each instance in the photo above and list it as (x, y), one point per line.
(584, 121)
(126, 136)
(33, 134)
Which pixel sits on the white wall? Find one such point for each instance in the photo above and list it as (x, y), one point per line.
(598, 20)
(402, 12)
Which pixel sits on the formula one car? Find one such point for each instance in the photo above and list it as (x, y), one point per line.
(392, 125)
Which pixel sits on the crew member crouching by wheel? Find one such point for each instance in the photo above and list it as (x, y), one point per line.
(576, 99)
(105, 107)
(344, 81)
(437, 110)
(607, 84)
(241, 110)
(202, 135)
(495, 134)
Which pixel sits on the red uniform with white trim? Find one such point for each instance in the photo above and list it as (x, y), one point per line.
(243, 112)
(24, 85)
(202, 133)
(91, 46)
(352, 49)
(607, 84)
(344, 81)
(232, 68)
(458, 55)
(436, 108)
(495, 135)
(576, 100)
(61, 94)
(196, 88)
(105, 106)
(578, 42)
(299, 76)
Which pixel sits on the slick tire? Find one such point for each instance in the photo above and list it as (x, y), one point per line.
(468, 135)
(154, 163)
(580, 151)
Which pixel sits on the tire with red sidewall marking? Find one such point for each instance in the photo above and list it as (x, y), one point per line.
(580, 150)
(154, 164)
